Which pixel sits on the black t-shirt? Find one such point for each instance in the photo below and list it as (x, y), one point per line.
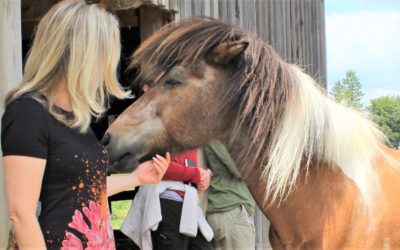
(74, 211)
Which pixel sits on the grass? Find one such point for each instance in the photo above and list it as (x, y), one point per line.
(119, 212)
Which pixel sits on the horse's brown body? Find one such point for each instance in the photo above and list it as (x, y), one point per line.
(325, 211)
(218, 96)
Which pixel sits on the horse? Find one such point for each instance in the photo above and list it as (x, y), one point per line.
(319, 171)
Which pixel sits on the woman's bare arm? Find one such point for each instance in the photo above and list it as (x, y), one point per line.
(23, 180)
(149, 172)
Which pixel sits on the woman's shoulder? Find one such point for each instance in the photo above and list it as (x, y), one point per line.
(26, 109)
(26, 105)
(25, 128)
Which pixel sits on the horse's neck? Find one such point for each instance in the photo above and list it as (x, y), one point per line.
(306, 207)
(238, 144)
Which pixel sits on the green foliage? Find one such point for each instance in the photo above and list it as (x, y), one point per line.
(348, 90)
(385, 111)
(119, 212)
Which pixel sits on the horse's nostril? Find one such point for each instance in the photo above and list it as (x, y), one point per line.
(106, 139)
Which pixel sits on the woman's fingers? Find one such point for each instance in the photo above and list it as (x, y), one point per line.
(151, 172)
(161, 163)
(168, 157)
(165, 160)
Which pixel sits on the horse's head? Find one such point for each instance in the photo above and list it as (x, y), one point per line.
(186, 106)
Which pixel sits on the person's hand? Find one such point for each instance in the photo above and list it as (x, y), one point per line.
(151, 172)
(205, 177)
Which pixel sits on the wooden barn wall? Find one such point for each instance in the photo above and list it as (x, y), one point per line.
(295, 28)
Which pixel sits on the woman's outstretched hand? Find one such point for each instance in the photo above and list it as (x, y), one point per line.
(151, 172)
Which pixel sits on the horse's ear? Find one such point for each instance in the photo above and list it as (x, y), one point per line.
(225, 52)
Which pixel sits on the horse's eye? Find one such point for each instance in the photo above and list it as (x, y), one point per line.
(172, 82)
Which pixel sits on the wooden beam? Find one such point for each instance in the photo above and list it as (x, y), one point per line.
(152, 18)
(127, 18)
(10, 76)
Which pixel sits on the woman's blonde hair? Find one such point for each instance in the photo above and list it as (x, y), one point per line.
(80, 44)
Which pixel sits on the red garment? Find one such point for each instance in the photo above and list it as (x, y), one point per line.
(178, 171)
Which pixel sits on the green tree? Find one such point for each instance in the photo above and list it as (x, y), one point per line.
(385, 111)
(348, 90)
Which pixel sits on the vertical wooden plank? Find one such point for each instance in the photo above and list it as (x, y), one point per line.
(230, 7)
(293, 32)
(272, 22)
(242, 17)
(262, 19)
(285, 26)
(10, 76)
(309, 34)
(181, 8)
(231, 12)
(297, 32)
(302, 33)
(215, 9)
(252, 16)
(287, 29)
(207, 8)
(322, 43)
(222, 10)
(313, 41)
(186, 8)
(197, 7)
(247, 20)
(259, 18)
(279, 39)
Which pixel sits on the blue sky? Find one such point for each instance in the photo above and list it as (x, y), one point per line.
(364, 36)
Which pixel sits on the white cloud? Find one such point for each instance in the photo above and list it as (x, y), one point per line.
(367, 42)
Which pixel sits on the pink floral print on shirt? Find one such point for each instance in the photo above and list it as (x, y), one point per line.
(99, 234)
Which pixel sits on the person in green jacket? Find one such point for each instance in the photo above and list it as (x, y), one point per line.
(230, 206)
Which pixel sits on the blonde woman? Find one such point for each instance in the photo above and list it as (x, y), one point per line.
(50, 153)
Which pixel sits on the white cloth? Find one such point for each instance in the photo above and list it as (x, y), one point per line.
(145, 214)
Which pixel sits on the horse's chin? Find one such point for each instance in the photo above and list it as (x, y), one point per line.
(149, 156)
(130, 162)
(125, 165)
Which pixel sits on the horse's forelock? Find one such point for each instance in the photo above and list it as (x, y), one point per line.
(186, 40)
